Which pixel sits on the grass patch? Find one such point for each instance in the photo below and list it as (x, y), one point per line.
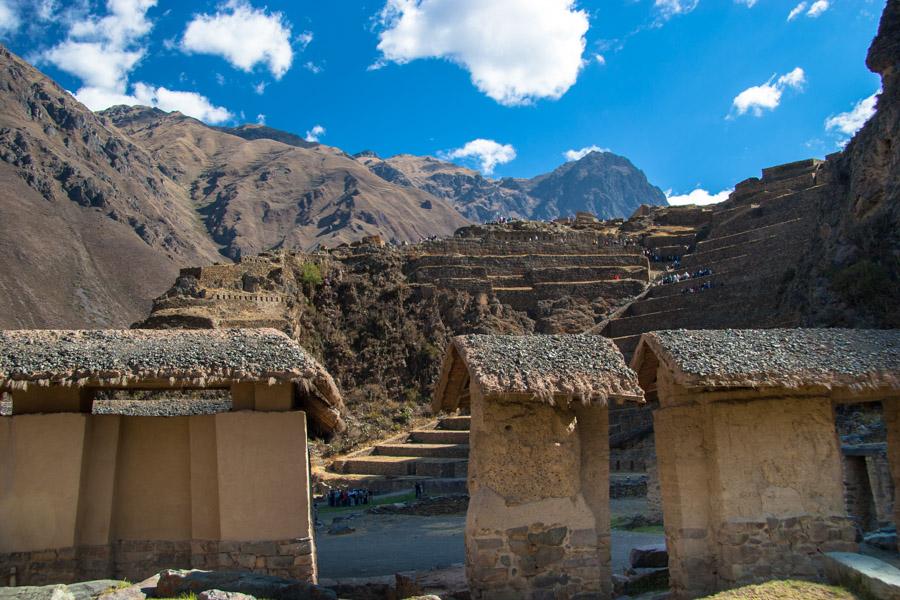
(325, 510)
(786, 590)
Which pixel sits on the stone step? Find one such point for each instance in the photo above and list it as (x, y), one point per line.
(407, 466)
(424, 450)
(724, 315)
(383, 484)
(438, 436)
(627, 345)
(867, 575)
(748, 235)
(456, 423)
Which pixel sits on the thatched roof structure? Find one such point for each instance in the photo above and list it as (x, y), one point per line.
(195, 358)
(548, 368)
(851, 360)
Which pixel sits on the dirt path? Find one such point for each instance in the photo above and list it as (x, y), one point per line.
(386, 544)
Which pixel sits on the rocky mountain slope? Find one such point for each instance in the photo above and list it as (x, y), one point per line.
(89, 226)
(856, 278)
(258, 194)
(98, 211)
(602, 183)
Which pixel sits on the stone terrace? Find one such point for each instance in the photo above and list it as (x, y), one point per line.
(752, 248)
(524, 263)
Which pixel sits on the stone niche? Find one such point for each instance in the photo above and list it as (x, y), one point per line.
(538, 524)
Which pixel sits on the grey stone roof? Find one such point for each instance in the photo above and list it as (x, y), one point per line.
(188, 357)
(777, 357)
(585, 367)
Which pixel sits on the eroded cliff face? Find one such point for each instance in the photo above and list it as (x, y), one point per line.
(855, 281)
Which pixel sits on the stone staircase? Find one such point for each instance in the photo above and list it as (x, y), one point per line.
(436, 456)
(753, 247)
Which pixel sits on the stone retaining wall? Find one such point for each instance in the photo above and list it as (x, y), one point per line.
(757, 551)
(538, 562)
(135, 560)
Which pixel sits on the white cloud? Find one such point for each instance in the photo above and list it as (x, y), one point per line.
(103, 51)
(487, 153)
(817, 8)
(698, 196)
(579, 154)
(315, 133)
(795, 79)
(759, 98)
(797, 11)
(244, 36)
(312, 67)
(260, 88)
(600, 59)
(191, 104)
(516, 51)
(97, 64)
(747, 3)
(811, 10)
(9, 17)
(261, 119)
(670, 8)
(852, 121)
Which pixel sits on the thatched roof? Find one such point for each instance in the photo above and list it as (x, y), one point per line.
(194, 358)
(550, 368)
(848, 359)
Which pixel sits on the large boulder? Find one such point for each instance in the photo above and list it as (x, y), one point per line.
(34, 592)
(173, 583)
(653, 556)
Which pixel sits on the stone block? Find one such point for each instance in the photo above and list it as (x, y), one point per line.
(653, 556)
(550, 537)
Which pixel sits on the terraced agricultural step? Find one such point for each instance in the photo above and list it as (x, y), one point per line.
(407, 465)
(627, 344)
(424, 450)
(459, 423)
(438, 436)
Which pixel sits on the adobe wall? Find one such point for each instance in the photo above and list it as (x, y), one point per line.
(108, 496)
(751, 489)
(538, 518)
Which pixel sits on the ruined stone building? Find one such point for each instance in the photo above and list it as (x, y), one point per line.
(538, 523)
(750, 463)
(91, 496)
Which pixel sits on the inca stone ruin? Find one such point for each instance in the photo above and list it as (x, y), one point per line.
(240, 363)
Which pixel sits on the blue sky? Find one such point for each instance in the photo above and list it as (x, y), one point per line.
(697, 93)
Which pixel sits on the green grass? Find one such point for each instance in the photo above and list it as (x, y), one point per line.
(786, 590)
(324, 509)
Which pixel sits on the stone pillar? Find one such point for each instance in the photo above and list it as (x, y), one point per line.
(41, 471)
(538, 519)
(265, 523)
(682, 462)
(891, 410)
